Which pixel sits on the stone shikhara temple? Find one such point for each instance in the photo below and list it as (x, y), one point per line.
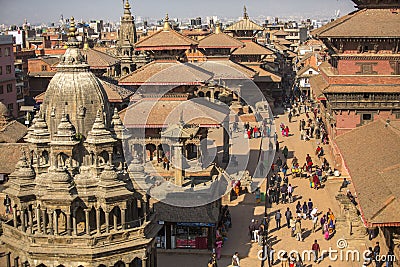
(74, 203)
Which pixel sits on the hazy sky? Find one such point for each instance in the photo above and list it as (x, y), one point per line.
(15, 11)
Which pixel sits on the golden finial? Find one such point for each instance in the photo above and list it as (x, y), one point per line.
(127, 7)
(217, 28)
(72, 28)
(245, 15)
(167, 26)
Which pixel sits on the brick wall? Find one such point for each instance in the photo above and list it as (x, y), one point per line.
(351, 67)
(8, 93)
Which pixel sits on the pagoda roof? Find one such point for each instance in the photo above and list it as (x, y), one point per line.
(365, 23)
(244, 24)
(228, 70)
(165, 73)
(220, 40)
(98, 59)
(165, 40)
(376, 185)
(252, 48)
(163, 112)
(263, 75)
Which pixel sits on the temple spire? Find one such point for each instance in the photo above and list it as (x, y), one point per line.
(127, 8)
(167, 26)
(245, 15)
(217, 28)
(72, 41)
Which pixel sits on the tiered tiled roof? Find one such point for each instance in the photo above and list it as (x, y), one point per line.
(368, 23)
(12, 132)
(252, 48)
(166, 73)
(165, 39)
(263, 75)
(9, 156)
(150, 112)
(219, 40)
(373, 164)
(245, 24)
(97, 59)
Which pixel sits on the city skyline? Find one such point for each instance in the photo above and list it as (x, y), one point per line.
(45, 11)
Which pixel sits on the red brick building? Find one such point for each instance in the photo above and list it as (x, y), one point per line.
(8, 92)
(361, 81)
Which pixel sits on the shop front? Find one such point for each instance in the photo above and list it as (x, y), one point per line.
(186, 235)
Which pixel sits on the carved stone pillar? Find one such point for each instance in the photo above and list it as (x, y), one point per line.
(144, 261)
(44, 221)
(87, 221)
(74, 226)
(51, 227)
(107, 221)
(225, 128)
(98, 221)
(15, 216)
(115, 220)
(23, 222)
(55, 224)
(38, 214)
(123, 219)
(30, 221)
(69, 230)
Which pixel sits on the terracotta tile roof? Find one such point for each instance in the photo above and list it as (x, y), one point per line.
(244, 25)
(227, 69)
(195, 32)
(52, 61)
(280, 47)
(220, 40)
(363, 23)
(263, 75)
(162, 113)
(280, 33)
(373, 164)
(165, 73)
(283, 41)
(12, 132)
(115, 93)
(303, 71)
(318, 85)
(252, 48)
(162, 40)
(98, 59)
(9, 156)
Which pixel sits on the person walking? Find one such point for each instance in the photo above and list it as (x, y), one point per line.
(288, 216)
(212, 262)
(256, 230)
(236, 260)
(315, 223)
(297, 230)
(285, 152)
(290, 193)
(298, 209)
(7, 204)
(278, 217)
(218, 247)
(315, 249)
(251, 229)
(377, 251)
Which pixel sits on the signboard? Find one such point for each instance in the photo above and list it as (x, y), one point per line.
(195, 224)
